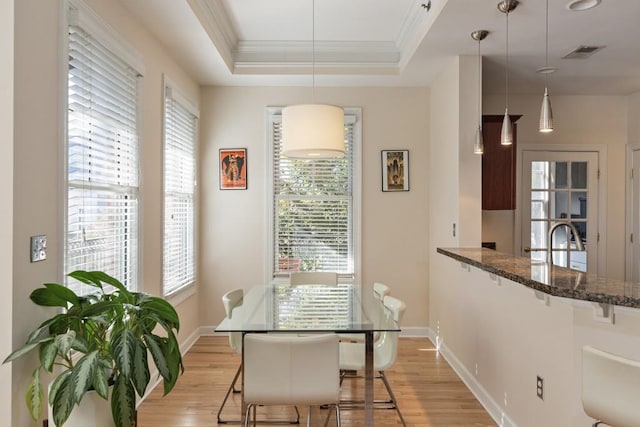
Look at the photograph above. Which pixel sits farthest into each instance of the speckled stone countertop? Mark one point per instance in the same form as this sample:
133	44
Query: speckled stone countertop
557	281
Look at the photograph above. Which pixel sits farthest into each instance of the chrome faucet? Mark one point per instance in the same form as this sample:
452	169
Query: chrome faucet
550	237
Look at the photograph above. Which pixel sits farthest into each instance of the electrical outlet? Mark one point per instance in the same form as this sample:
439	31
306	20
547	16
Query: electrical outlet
38	248
540	387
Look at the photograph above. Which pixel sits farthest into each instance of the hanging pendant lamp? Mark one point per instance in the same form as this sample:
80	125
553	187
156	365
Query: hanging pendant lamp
478	145
313	131
506	135
546	114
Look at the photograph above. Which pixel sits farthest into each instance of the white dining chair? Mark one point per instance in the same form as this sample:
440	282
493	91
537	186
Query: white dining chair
381	290
610	388
385	351
286	369
313	278
230	300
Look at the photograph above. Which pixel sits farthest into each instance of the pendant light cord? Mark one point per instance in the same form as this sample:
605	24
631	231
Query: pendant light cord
479	86
546	49
506	70
313	51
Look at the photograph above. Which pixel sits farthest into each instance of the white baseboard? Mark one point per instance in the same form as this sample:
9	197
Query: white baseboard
493	409
414	332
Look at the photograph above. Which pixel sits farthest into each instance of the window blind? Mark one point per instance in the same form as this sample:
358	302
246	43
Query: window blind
179	189
313	209
102	162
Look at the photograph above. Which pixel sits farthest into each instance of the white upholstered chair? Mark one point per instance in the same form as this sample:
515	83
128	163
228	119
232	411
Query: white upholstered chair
230	300
610	388
285	369
385	351
313	278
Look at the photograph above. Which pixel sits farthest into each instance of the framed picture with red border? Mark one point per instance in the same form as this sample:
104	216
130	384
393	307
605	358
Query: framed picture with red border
233	168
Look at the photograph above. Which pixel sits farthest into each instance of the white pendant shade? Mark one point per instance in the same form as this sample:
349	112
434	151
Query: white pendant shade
478	145
546	114
506	136
313	131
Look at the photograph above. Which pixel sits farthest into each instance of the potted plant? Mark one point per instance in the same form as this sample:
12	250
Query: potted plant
98	341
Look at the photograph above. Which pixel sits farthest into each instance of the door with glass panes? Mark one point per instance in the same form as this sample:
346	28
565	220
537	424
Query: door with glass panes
559	186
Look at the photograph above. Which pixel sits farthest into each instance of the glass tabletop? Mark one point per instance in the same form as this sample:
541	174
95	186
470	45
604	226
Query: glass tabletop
344	308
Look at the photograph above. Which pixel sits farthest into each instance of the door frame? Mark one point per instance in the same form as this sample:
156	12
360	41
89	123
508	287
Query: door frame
628	229
601	150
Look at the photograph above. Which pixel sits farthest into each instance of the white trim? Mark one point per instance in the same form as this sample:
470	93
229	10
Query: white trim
493	409
601	149
629	209
83	16
176	93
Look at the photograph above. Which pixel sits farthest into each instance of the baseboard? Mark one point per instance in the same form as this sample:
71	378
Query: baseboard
493	409
414	332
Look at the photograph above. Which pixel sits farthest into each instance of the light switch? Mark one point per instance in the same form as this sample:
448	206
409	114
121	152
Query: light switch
38	248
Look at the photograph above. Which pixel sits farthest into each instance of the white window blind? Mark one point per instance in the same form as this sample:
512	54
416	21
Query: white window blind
313	209
102	162
179	189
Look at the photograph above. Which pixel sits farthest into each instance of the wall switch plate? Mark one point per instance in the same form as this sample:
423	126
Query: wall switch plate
38	248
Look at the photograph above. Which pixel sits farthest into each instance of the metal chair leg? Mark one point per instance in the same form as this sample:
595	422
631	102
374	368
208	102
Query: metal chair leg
226	396
393	397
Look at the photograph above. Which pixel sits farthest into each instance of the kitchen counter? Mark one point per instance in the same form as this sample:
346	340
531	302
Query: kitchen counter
555	281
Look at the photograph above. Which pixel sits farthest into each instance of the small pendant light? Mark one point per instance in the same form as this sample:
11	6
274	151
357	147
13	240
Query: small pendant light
546	114
478	145
506	136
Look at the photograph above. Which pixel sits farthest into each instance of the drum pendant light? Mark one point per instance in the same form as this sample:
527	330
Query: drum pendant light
478	145
546	114
506	136
313	131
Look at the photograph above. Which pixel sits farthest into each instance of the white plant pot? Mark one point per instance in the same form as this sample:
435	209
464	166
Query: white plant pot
93	411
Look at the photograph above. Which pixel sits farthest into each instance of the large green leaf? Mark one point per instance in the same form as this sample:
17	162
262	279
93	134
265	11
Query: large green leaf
110	280
101	377
157	349
82	376
21	351
63	401
55	385
174	360
140	375
47	298
86	277
123	347
123	403
34	395
65	341
63	292
163	309
48	352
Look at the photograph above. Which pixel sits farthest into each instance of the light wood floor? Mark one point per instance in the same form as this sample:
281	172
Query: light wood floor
429	392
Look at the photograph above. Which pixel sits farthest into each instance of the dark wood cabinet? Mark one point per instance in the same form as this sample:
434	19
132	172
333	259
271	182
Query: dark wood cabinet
498	165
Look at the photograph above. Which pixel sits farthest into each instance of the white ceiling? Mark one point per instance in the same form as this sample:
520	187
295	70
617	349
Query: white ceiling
395	42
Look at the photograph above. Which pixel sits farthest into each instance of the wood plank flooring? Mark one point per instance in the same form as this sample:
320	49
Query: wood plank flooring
428	390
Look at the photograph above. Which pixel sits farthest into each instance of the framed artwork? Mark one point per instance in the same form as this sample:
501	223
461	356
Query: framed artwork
395	170
233	168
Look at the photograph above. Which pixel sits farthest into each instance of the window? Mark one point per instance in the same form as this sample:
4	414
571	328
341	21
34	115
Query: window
316	204
179	189
102	157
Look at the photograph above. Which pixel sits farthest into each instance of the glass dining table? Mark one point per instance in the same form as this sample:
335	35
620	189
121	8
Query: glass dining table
342	309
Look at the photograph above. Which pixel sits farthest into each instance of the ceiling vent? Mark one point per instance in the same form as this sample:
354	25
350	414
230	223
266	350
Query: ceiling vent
582	52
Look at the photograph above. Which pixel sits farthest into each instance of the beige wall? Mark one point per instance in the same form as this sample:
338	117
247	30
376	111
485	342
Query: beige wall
233	223
6	195
38	158
583	120
634	119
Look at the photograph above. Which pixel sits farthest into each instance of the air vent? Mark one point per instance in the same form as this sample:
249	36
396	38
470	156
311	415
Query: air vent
582	52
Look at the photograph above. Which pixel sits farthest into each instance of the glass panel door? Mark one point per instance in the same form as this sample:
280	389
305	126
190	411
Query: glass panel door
559	191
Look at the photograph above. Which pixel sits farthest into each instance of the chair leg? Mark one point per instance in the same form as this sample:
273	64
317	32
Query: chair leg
392	396
226	396
326	420
247	416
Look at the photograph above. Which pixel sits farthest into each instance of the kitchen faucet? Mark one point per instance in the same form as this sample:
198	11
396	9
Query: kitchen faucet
553	228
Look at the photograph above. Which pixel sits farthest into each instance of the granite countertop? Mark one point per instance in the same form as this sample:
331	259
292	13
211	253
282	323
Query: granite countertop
556	281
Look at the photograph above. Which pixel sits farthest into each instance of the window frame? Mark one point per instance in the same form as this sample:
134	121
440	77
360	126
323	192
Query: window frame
78	14
186	103
353	114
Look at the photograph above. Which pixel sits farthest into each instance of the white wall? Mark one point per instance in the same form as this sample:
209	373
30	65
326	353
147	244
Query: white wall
499	337
37	160
582	120
394	225
634	119
6	194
